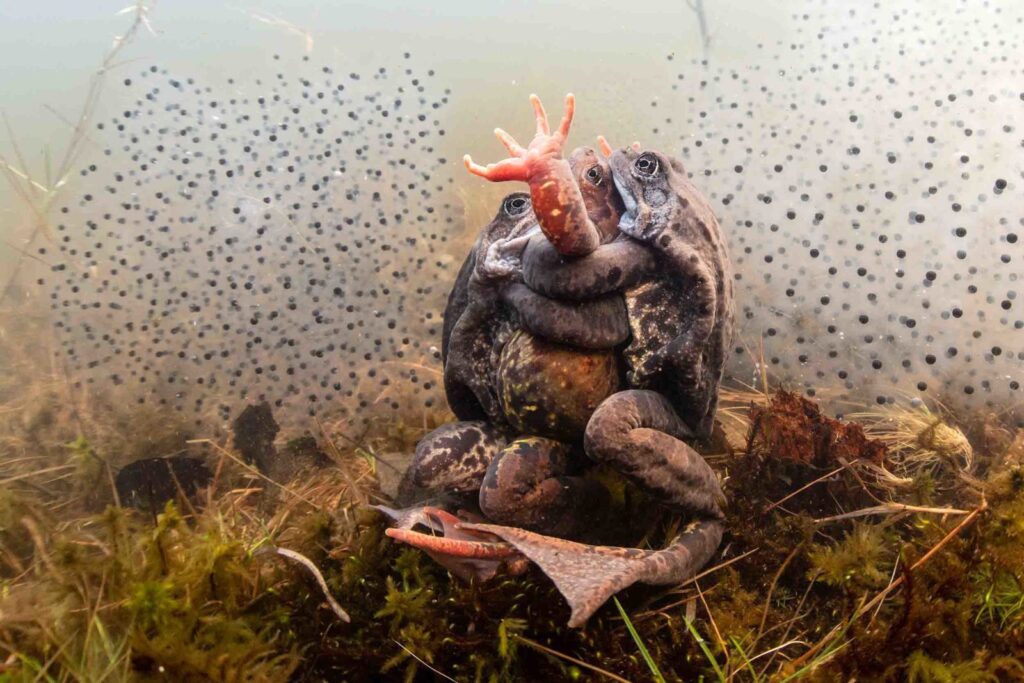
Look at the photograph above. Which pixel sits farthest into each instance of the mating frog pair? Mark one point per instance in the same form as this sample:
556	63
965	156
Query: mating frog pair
587	325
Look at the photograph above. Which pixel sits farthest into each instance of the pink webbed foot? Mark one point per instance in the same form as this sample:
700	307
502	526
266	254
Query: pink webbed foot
465	553
529	161
586	575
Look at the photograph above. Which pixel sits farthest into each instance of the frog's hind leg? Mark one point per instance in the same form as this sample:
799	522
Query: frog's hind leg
531	485
587	575
601	323
453	458
639	434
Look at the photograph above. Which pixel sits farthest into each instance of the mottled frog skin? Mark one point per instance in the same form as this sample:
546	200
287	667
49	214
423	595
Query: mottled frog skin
682	324
547	385
501	341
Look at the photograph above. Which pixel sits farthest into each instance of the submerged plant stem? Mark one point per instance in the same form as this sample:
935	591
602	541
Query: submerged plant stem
315	571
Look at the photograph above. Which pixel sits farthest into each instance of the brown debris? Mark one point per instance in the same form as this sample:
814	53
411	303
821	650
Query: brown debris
793	428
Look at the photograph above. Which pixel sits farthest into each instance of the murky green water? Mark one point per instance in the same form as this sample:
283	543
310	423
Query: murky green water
863	161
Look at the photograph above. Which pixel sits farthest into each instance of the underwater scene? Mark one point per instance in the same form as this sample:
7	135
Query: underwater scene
539	341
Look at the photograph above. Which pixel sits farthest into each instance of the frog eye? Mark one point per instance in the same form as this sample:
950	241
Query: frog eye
516	205
594	175
646	164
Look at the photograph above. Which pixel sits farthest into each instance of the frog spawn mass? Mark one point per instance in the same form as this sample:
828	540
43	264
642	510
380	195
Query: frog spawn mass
865	166
276	242
867	170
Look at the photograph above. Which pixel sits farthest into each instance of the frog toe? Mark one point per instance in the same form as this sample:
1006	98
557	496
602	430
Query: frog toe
453	547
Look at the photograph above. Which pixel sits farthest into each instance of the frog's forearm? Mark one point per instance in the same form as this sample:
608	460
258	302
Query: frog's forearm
558	205
597	324
610	268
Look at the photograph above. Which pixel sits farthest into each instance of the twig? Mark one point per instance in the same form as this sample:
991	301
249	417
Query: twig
413	655
891	509
797	616
25	475
315	571
695	578
359	446
805	487
252	470
771	589
39	198
714	626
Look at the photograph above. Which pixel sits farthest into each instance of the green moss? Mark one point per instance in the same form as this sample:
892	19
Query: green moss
193	594
856	562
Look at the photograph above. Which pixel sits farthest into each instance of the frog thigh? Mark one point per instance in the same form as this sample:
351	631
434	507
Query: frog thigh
454	457
639	434
530	485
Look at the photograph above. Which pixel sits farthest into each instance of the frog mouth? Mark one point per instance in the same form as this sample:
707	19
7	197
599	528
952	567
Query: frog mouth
627	222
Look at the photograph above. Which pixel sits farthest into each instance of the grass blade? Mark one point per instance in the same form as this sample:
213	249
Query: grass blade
651	664
704	647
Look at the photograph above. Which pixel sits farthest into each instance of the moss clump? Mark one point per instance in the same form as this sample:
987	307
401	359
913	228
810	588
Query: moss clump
857	561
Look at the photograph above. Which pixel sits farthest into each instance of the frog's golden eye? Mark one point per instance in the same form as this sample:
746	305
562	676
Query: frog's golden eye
646	164
516	205
594	175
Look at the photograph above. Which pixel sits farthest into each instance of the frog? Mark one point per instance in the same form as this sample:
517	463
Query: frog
526	364
666	258
496	352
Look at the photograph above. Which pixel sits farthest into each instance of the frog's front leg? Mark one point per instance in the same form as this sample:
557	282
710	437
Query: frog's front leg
554	193
452	459
531	485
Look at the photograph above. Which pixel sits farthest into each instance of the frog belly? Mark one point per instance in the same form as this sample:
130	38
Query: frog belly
547	389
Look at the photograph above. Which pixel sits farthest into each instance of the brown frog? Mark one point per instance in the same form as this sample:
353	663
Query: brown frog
519	363
667	262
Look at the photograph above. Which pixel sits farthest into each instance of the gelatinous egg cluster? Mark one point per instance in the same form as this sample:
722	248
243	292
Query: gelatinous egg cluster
269	240
285	239
868	173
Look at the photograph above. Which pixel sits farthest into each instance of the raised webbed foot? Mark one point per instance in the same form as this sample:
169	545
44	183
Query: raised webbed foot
534	159
588	575
554	193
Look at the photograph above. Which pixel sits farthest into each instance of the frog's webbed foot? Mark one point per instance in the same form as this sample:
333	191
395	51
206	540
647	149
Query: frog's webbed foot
587	575
467	553
525	162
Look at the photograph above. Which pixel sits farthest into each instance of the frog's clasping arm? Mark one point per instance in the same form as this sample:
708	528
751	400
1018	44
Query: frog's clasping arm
557	201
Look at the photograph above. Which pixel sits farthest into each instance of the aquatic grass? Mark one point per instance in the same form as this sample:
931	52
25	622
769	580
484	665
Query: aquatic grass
648	660
708	655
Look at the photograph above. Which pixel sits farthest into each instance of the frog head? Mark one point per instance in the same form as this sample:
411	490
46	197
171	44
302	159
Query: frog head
646	182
